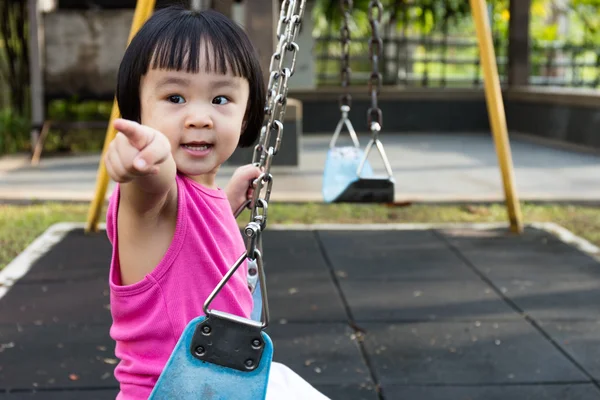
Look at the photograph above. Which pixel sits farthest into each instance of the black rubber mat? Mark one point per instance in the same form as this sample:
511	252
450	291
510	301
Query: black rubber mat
397	300
68	356
477	353
580	340
531	392
85	301
74	258
100	394
320	353
373	315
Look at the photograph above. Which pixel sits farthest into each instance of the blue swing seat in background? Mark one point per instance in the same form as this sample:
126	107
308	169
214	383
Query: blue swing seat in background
340	170
345	182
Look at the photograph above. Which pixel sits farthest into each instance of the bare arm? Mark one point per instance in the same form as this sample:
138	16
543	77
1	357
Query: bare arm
148	197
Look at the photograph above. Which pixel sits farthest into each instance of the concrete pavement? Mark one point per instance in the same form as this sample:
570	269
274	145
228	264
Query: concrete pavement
427	167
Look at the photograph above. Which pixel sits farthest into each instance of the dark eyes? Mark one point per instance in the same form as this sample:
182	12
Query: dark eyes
177	99
220	100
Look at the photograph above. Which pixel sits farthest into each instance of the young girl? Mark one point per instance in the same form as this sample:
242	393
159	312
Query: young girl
190	90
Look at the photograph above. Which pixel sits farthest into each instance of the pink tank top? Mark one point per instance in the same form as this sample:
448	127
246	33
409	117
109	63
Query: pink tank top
149	316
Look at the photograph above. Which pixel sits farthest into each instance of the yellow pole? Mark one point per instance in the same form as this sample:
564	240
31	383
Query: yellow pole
143	10
495	107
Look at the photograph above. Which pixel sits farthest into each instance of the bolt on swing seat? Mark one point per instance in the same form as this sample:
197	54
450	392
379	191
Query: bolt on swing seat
221	356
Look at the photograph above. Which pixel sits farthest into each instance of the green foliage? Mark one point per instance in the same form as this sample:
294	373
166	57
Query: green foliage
424	16
75	110
14	132
14	57
442	29
77	140
587	12
327	18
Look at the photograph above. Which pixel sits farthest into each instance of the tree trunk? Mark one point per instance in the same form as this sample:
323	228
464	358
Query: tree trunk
13	33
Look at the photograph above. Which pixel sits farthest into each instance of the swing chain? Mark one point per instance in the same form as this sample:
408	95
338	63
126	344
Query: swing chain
374	115
288	27
346	98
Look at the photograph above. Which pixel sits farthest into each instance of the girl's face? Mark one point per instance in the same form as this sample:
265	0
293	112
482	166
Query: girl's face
201	114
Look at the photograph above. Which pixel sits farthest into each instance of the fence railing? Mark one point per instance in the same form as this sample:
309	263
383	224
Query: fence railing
409	61
454	62
566	65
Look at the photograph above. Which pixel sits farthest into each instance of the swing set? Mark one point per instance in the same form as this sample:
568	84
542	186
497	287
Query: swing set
348	176
224	356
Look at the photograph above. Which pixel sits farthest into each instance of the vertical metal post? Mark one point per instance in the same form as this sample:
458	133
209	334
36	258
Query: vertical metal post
495	107
35	73
143	10
196	5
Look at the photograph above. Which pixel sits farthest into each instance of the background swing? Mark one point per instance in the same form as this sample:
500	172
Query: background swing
348	176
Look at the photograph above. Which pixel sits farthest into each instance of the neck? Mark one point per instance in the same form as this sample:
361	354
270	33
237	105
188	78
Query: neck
206	180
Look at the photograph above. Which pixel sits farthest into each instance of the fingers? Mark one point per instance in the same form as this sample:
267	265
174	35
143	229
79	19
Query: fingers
248	172
115	168
139	136
124	162
153	154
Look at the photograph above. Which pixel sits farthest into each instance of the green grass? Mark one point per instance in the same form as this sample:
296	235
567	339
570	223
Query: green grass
20	225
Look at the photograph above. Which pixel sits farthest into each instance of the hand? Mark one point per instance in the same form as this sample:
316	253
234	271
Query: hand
240	186
136	150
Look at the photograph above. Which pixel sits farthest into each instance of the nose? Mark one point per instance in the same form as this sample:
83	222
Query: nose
199	117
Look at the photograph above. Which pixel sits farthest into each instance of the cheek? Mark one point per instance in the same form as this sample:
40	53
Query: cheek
147	111
166	126
232	123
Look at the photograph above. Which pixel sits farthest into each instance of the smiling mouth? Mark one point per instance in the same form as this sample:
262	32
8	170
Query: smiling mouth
197	146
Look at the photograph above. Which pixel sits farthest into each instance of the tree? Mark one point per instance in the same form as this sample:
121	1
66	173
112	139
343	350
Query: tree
14	57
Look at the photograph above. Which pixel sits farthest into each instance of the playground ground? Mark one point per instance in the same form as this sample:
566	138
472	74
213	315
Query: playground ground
361	312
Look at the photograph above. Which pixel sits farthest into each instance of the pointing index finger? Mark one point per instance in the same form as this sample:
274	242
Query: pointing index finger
138	135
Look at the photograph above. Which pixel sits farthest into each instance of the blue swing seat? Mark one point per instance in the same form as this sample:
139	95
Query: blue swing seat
222	356
342	183
340	171
186	377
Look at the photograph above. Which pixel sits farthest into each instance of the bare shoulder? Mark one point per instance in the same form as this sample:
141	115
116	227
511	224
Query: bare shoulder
144	236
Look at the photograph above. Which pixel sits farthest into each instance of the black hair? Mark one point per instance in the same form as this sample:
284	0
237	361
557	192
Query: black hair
171	39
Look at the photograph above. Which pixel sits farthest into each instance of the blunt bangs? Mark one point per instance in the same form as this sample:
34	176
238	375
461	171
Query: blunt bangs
181	40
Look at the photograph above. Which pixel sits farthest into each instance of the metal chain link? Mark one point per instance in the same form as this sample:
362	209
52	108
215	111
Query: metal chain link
269	142
346	72
288	27
374	115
